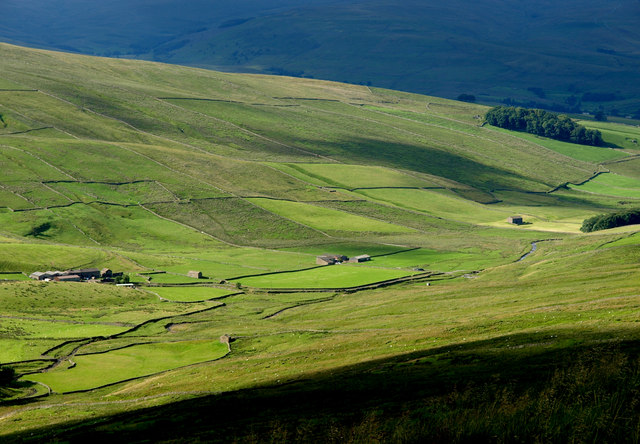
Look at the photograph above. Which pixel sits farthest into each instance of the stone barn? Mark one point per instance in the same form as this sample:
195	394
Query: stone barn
515	220
86	273
195	274
331	259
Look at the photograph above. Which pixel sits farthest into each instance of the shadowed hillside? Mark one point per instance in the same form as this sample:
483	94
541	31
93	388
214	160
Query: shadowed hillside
571	55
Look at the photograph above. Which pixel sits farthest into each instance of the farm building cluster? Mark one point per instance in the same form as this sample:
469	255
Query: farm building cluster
332	259
85	274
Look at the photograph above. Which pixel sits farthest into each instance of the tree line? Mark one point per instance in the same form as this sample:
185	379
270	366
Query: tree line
612	220
542	123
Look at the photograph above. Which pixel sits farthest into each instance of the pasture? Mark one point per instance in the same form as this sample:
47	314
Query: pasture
96	370
612	185
190	294
156	170
333	276
355	176
326	219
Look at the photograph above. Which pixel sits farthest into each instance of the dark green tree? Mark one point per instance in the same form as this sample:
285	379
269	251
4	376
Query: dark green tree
600	116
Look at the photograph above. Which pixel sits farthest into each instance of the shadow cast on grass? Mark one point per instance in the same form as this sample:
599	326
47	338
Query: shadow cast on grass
521	388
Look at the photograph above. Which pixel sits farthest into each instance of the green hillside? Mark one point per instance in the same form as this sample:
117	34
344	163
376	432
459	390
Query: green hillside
157	170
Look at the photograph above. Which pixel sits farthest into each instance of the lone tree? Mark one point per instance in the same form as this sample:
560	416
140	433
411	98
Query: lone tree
600	116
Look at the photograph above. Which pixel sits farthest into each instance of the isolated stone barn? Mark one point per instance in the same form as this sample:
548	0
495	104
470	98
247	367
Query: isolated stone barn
195	274
516	220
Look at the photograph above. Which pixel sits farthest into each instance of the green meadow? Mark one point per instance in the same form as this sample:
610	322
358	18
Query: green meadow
337	276
126	363
190	294
156	170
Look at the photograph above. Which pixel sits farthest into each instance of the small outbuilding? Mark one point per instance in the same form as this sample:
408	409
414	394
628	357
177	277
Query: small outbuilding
195	274
38	276
515	220
106	273
361	258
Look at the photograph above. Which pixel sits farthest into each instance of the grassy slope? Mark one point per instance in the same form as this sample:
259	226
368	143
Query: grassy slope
129	179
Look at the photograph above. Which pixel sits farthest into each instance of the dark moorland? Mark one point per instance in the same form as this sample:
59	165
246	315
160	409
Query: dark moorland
571	55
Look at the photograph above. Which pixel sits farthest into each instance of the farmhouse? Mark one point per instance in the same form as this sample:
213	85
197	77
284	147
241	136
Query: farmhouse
361	258
331	259
106	273
516	220
195	274
86	273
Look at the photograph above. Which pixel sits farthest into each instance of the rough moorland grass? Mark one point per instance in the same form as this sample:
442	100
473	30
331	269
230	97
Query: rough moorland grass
353	176
238	221
170	278
131	362
438	204
190	294
326	219
629	168
84	302
335	276
41	257
26	329
473	259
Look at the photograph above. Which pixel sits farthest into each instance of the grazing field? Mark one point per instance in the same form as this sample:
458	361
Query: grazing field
356	176
156	170
621	136
190	294
97	370
612	185
579	152
335	276
439	204
327	219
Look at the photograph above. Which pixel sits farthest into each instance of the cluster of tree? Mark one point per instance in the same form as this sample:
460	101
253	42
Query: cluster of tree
542	123
124	279
612	220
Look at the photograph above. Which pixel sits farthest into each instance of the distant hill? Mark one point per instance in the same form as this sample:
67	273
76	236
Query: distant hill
572	55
